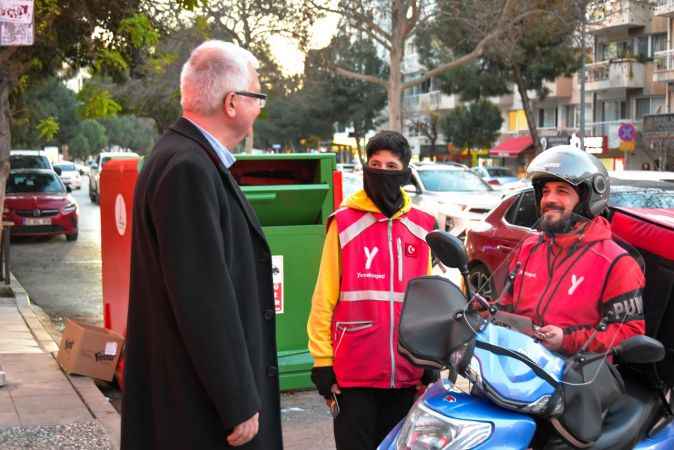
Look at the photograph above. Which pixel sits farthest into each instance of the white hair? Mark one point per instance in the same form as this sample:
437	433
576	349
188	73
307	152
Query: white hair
213	69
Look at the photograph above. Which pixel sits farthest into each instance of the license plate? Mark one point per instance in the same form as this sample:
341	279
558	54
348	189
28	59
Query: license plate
40	221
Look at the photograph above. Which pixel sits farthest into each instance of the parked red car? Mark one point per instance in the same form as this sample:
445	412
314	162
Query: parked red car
489	242
39	205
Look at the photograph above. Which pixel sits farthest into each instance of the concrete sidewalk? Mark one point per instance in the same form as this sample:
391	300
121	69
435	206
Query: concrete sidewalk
40	406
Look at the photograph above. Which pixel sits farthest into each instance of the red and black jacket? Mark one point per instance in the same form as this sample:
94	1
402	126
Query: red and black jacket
574	280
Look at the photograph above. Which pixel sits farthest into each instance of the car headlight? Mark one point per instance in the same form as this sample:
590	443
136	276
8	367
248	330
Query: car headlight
70	207
424	429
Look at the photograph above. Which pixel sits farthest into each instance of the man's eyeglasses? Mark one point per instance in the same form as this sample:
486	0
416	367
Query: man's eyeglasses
261	98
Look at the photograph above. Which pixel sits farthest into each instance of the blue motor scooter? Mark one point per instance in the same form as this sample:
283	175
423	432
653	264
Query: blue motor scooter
517	384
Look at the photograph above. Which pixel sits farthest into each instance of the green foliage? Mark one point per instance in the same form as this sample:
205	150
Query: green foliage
473	126
36	102
79	147
130	132
97	102
539	48
139	30
48	128
95	134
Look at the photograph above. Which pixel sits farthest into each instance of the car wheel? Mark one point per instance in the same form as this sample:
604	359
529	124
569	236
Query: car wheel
72	237
480	281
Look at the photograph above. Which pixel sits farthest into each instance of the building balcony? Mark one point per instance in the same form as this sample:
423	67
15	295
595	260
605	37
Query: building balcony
615	74
664	8
618	15
560	88
664	66
430	101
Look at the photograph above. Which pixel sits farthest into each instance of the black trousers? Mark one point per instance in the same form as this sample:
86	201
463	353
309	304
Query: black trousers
367	415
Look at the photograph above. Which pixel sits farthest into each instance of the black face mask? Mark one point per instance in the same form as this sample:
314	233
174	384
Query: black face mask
383	188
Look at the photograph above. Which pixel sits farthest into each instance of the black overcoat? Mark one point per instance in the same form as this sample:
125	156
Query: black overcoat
201	352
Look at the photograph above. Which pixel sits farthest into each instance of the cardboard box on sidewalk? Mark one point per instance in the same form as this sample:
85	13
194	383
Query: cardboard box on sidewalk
88	350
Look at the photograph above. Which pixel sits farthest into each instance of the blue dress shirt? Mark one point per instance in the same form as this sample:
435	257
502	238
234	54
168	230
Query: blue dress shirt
225	155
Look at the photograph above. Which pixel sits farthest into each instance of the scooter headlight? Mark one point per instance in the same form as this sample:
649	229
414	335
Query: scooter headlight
424	429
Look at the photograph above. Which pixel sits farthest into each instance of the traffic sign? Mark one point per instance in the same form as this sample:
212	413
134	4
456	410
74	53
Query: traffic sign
627	132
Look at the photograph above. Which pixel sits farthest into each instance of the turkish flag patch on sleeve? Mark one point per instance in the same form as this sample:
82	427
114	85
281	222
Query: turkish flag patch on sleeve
410	250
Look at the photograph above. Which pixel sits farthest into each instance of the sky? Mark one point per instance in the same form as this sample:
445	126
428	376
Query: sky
288	54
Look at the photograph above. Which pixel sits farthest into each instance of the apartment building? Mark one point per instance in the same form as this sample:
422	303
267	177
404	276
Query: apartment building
629	75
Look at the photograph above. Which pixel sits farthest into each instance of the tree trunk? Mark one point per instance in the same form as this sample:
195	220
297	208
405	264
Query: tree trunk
5	135
394	89
526	104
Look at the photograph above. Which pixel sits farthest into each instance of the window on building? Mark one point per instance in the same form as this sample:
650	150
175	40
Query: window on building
570	116
643	107
547	117
649	105
642	46
658	43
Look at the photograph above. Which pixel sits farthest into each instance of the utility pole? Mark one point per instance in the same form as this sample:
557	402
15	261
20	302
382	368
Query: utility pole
581	72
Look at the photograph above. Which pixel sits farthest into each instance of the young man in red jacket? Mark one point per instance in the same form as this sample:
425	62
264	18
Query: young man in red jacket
374	246
573	275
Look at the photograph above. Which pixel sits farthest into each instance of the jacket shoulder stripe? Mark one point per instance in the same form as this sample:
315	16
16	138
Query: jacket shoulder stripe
415	229
356	228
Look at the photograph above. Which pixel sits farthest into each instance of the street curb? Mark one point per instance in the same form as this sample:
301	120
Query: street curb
97	404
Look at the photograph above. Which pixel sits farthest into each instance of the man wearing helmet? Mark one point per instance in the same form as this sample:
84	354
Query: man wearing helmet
573	275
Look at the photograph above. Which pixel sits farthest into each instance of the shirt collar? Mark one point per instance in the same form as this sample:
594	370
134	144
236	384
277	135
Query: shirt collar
223	153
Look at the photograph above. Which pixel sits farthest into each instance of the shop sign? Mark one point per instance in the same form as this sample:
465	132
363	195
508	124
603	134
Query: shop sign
553	141
595	144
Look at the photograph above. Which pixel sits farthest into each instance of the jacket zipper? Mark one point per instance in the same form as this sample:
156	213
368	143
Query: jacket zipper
400	260
391	302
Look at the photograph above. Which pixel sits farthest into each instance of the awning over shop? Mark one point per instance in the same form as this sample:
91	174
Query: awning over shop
511	147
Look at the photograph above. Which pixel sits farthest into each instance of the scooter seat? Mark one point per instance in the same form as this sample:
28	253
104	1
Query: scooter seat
629	419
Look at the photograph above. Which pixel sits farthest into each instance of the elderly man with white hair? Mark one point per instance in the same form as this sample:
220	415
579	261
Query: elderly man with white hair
201	367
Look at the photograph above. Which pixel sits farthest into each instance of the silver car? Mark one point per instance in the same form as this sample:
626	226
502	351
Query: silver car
455	195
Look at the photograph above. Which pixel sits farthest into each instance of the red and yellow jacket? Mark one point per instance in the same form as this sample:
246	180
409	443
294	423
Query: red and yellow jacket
366	264
573	280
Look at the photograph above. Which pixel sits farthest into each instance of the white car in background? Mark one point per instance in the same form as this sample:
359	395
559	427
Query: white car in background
69	173
645	175
455	195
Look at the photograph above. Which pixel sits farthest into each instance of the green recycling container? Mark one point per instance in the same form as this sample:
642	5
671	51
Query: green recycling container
292	195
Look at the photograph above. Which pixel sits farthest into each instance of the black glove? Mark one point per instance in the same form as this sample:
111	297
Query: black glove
323	378
430	376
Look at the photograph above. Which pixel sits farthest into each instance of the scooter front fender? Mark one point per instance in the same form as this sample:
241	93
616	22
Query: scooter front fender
510	430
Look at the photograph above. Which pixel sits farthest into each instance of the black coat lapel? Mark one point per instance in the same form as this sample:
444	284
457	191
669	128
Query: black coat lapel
187	129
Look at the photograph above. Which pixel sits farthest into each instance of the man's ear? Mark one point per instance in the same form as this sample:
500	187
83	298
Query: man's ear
229	105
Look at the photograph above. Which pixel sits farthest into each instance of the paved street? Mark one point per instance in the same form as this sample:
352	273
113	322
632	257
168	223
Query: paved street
64	279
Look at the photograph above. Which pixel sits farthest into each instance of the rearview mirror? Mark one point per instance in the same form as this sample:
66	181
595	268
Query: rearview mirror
640	350
68	188
448	249
58	171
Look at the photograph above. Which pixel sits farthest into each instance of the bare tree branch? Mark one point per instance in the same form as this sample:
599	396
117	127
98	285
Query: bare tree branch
359	76
479	48
366	23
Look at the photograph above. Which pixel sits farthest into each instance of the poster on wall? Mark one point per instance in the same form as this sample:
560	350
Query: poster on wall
277	277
